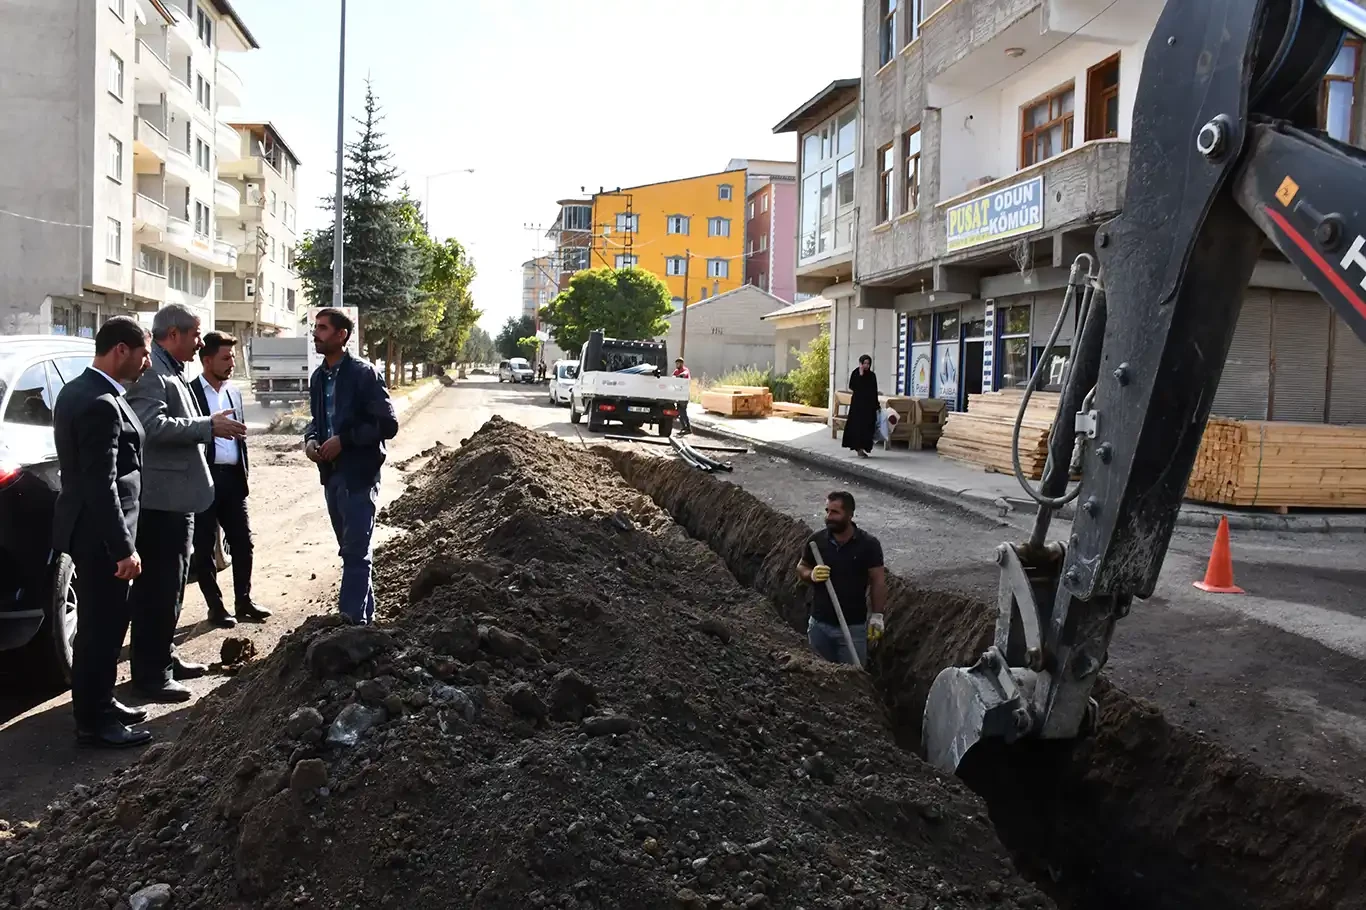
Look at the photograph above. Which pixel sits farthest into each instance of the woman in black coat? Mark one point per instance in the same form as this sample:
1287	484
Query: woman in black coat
861	423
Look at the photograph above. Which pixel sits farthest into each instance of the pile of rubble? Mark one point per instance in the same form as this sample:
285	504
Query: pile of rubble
568	703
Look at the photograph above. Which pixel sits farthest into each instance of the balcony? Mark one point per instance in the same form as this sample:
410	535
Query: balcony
229	84
183	35
227	144
151	73
179	166
181	96
149	215
1082	186
227	201
149	143
224	256
149	286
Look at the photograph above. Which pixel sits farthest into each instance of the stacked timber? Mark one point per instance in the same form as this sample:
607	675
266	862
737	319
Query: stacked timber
800	412
1280	465
738	401
981	435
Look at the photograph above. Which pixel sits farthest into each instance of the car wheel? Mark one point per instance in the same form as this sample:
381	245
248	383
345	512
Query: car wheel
47	657
574	415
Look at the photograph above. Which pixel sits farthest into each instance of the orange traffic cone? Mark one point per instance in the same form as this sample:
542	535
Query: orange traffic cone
1219	573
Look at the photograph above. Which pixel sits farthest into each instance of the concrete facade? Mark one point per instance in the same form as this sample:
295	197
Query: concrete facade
725	332
89	98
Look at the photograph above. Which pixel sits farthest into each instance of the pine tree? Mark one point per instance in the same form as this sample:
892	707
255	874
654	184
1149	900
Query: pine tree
381	268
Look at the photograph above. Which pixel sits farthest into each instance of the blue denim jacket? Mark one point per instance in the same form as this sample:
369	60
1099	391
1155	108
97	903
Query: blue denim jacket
365	419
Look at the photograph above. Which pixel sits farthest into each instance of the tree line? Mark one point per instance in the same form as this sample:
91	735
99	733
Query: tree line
412	290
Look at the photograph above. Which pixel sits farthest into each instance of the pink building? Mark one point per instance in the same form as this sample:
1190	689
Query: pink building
771	237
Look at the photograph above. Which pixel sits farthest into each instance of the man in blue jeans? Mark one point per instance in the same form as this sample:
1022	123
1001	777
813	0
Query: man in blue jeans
853	564
352	418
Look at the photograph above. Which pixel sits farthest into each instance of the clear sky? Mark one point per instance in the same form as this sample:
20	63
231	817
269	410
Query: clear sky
540	97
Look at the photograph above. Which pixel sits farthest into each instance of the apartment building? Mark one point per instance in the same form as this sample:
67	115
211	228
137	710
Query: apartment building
259	217
995	139
571	239
690	232
110	190
538	285
771	237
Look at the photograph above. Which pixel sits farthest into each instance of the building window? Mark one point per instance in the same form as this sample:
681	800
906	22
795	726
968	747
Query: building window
115	159
113	241
678	304
117	7
763	203
274	200
201	92
289	299
887	33
718	268
678	224
886	161
177	274
578	218
915	14
200	281
1337	94
1014	358
718	227
910	144
116	75
626	262
763	281
628	224
1102	100
1046	126
204	26
217	287
152	261
201	219
751	210
724	192
763	242
675	265
202	157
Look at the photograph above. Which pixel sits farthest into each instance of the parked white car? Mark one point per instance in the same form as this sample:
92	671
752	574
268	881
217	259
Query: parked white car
516	370
563	380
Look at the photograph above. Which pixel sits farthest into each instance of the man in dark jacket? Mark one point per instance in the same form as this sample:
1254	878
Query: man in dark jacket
352	417
99	451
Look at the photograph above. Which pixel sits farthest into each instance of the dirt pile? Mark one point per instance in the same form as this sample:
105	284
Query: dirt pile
569	703
1143	815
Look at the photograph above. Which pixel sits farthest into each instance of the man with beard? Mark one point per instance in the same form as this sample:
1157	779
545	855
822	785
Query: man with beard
352	417
853	564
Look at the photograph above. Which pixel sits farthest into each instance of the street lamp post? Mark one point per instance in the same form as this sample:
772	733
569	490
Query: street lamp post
338	226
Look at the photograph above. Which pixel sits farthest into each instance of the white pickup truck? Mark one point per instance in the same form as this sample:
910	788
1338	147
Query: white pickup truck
628	382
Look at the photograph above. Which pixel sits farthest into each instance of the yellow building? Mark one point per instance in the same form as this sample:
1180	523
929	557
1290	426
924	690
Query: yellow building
689	232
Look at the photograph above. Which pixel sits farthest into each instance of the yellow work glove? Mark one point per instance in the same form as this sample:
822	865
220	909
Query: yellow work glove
875	628
820	574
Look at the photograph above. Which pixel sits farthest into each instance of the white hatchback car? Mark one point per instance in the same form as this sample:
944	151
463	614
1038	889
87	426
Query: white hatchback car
562	379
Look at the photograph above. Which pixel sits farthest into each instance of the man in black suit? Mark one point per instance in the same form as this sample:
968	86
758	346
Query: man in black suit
229	467
99	450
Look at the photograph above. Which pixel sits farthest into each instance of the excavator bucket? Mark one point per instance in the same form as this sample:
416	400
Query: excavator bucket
967	704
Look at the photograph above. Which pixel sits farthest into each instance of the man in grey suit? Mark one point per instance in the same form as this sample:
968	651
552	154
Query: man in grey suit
175	485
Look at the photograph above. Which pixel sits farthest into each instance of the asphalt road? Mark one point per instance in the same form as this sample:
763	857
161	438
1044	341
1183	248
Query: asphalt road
1277	674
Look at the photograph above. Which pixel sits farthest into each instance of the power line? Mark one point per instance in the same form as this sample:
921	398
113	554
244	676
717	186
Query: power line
84	227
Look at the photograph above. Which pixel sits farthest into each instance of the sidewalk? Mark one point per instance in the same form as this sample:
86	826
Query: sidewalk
925	476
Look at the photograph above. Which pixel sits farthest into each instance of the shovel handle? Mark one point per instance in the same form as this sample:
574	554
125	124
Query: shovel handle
839	611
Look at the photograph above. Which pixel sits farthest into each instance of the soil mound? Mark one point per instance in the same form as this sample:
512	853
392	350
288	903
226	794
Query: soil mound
569	703
1142	815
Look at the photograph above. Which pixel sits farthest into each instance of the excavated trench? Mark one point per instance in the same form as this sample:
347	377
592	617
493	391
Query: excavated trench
1143	815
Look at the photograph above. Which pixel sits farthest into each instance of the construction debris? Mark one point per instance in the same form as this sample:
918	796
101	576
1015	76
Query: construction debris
569	704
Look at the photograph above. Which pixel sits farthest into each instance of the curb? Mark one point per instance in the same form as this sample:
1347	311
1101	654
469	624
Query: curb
978	504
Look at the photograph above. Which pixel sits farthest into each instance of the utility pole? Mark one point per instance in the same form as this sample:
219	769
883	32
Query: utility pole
338	225
683	329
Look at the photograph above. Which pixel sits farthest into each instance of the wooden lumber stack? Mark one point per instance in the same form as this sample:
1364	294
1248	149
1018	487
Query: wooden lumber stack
800	411
1280	465
738	401
982	434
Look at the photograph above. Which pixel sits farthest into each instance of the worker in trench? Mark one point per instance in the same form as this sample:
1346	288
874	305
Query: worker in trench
853	565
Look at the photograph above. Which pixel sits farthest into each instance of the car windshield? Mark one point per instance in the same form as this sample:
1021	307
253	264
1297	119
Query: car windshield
519	364
568	371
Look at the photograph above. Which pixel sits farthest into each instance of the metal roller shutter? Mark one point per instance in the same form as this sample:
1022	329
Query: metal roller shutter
1347	395
1299	346
1047	306
1246	381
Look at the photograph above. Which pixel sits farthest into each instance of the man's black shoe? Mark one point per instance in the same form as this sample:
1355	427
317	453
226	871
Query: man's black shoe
250	612
112	735
221	617
184	669
126	715
170	691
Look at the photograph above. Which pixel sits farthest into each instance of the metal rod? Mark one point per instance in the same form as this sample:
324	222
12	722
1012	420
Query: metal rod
839	611
1348	14
338	224
652	441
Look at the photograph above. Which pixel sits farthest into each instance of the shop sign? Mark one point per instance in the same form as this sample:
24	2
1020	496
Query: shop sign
920	371
946	373
998	215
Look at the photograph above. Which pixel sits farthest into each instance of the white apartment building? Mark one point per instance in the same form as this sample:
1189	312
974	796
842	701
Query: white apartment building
262	294
112	140
994	140
538	285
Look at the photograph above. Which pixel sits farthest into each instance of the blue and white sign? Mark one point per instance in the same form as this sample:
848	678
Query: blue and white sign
999	215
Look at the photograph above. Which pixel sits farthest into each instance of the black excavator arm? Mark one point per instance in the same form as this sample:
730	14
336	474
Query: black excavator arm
1224	156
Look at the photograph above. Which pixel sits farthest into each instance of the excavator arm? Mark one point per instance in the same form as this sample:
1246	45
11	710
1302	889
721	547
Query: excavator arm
1225	155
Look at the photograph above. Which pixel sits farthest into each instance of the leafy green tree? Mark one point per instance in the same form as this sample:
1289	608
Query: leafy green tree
515	332
624	303
478	347
811	379
382	268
